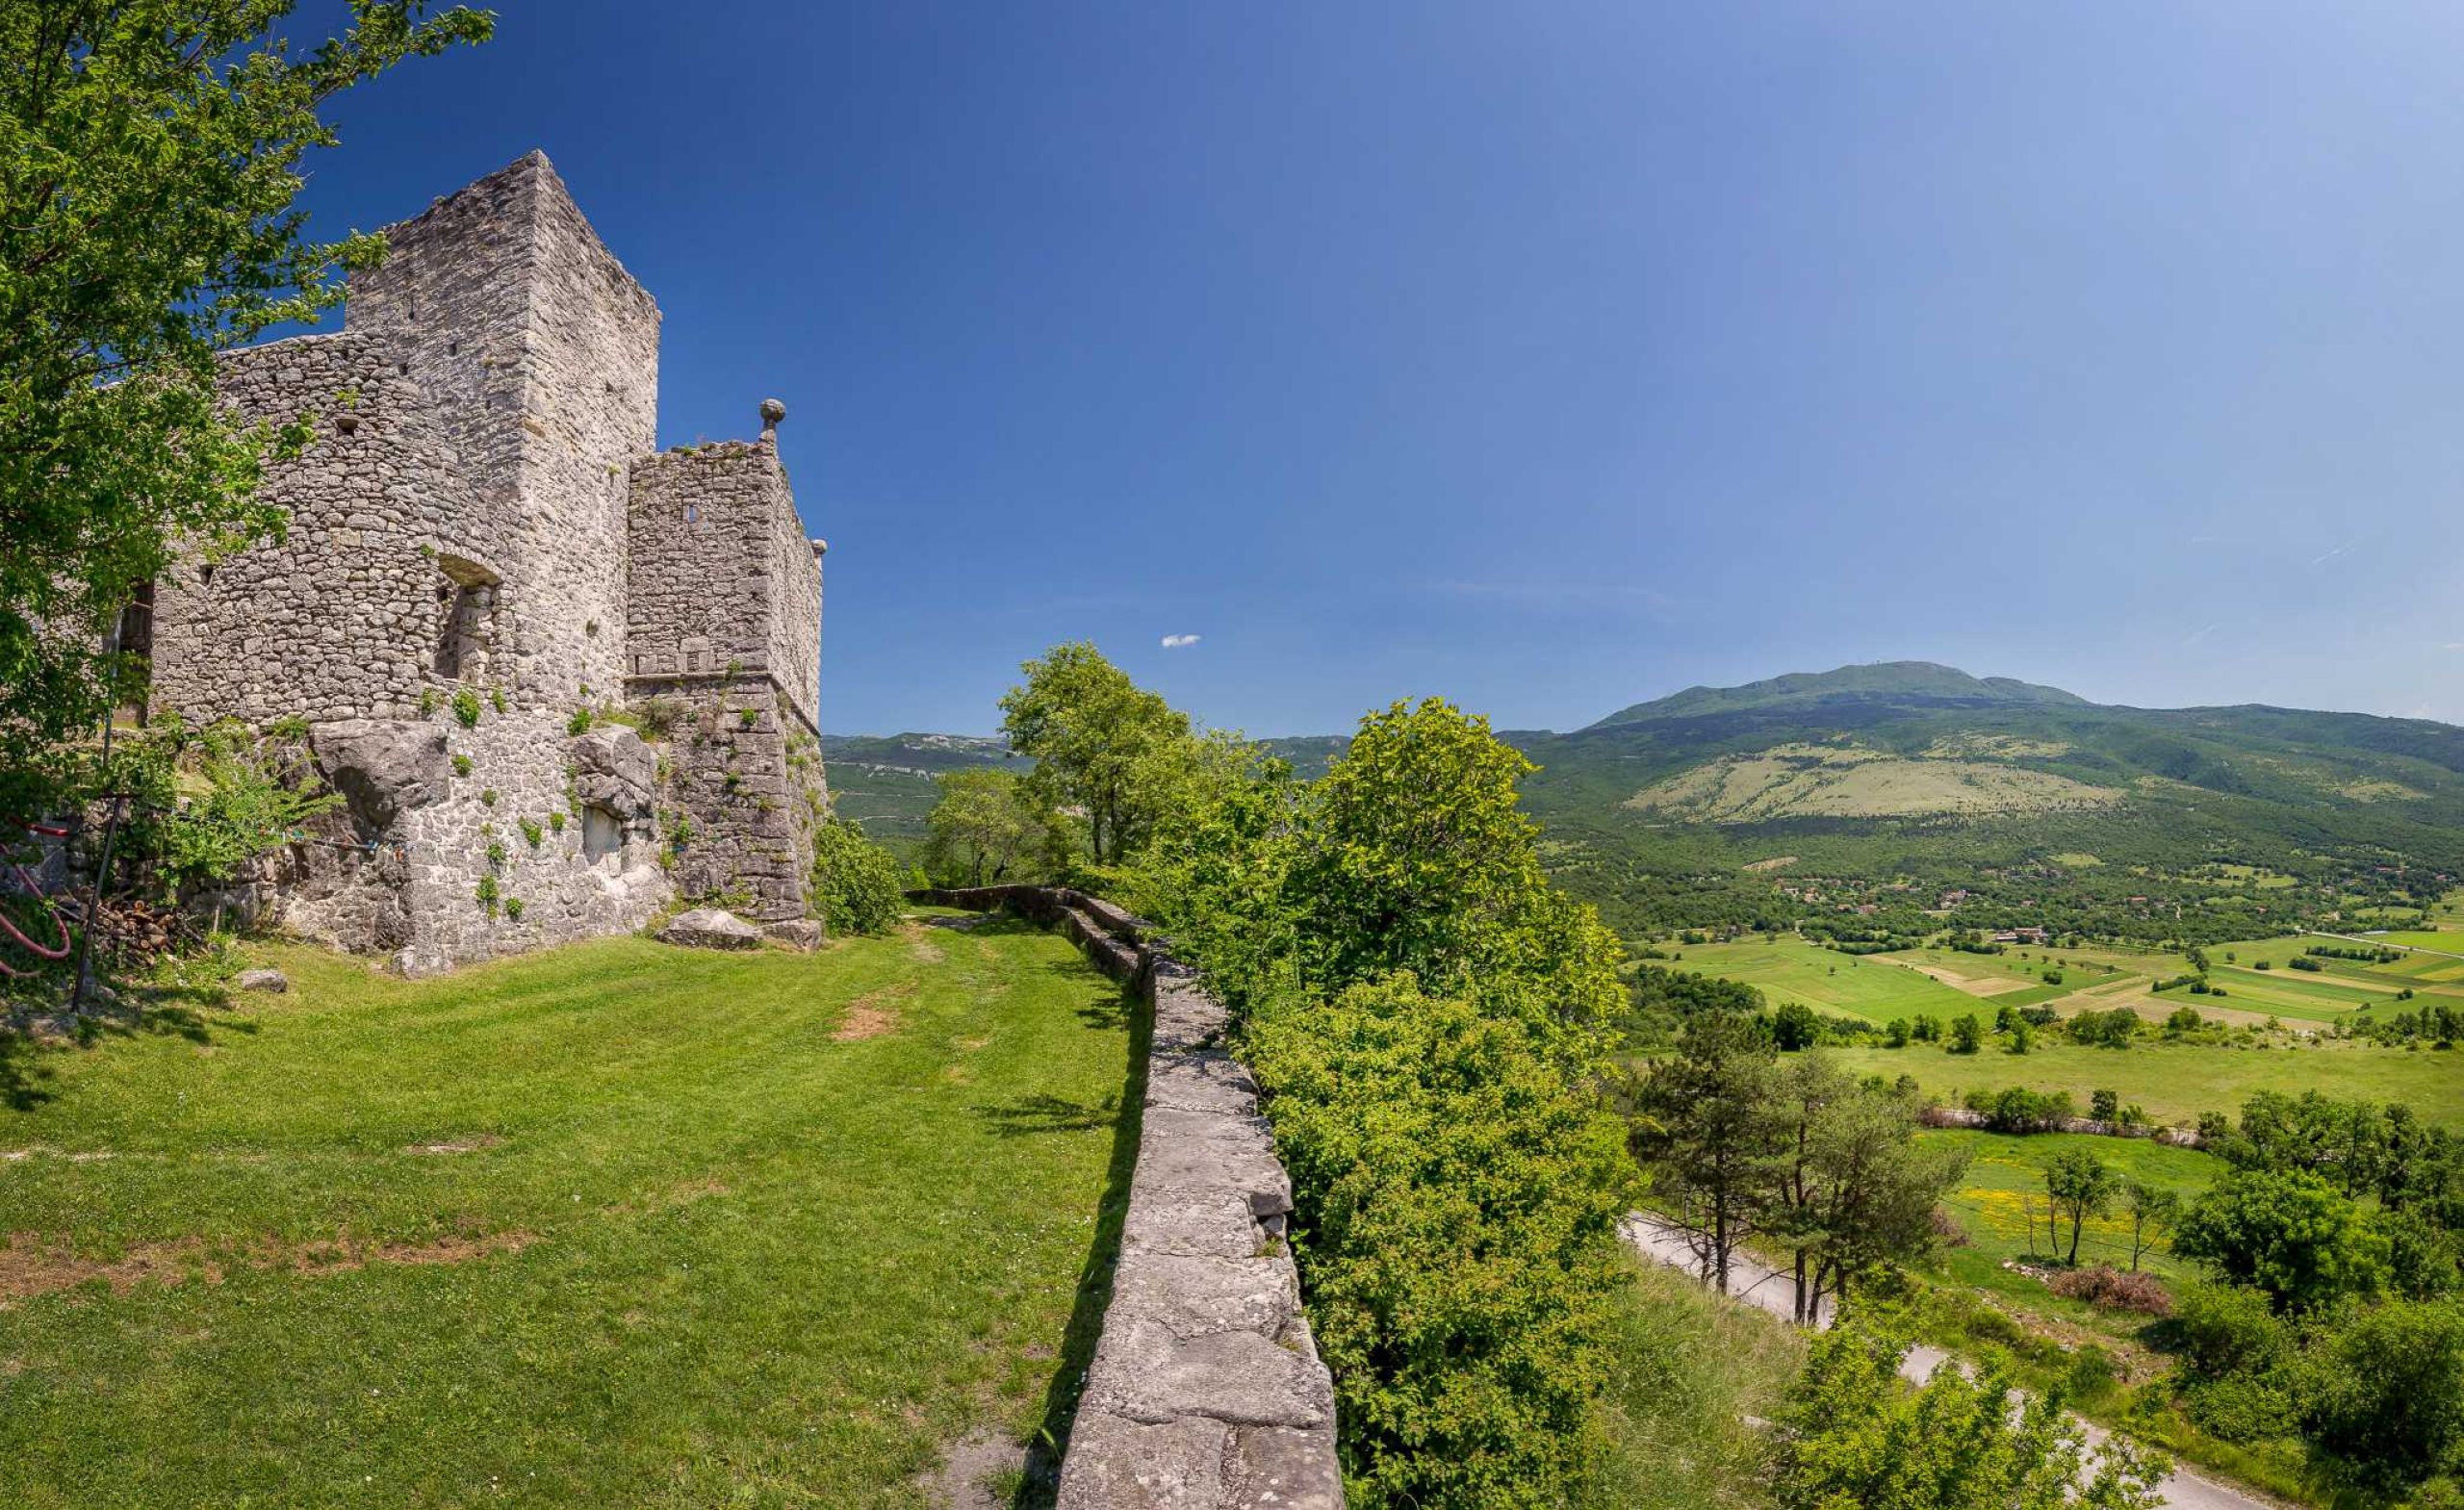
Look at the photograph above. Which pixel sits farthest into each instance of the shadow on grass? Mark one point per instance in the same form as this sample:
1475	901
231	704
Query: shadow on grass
25	1080
1046	1113
1043	1478
33	1035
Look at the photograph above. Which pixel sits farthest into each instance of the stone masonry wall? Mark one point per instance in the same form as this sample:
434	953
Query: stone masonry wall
1206	1391
794	618
723	582
436	811
724	620
337	621
541	355
739	800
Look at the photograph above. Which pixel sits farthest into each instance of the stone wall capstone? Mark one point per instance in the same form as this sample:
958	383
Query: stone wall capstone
1206	1391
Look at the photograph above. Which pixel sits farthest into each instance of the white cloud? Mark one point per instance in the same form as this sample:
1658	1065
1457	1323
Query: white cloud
1173	642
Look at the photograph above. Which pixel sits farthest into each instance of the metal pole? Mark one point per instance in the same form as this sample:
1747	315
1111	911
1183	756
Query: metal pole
111	832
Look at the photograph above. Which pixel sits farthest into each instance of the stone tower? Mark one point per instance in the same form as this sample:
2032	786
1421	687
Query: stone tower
485	561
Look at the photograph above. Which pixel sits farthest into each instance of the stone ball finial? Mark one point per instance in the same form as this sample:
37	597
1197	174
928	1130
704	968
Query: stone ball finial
772	412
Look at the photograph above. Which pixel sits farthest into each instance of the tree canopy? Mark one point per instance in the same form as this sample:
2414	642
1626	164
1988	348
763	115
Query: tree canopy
150	154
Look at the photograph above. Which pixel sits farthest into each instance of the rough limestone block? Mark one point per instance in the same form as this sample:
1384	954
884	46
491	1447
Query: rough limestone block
1145	1374
1203	1151
1197	1223
383	768
263	981
801	934
1116	1464
1202	1081
1192	1295
710	928
1283	1468
615	770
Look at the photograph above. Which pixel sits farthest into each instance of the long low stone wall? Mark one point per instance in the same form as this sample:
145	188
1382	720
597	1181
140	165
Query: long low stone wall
1207	1392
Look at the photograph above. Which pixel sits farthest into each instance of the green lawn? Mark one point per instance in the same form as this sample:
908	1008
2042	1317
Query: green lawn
612	1225
2176	1081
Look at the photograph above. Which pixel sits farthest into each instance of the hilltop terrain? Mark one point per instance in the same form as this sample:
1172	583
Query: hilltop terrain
1886	787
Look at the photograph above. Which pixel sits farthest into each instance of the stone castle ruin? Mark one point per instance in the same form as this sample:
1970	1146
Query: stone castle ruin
487	557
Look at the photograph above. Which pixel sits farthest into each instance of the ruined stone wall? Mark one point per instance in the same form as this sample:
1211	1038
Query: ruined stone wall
336	621
794	610
741	794
461	843
722	581
724	621
1207	1392
541	354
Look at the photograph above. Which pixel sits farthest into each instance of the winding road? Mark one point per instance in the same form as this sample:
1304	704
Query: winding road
1758	1284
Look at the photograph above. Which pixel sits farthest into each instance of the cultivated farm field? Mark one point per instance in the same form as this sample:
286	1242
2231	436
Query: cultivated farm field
2175	1081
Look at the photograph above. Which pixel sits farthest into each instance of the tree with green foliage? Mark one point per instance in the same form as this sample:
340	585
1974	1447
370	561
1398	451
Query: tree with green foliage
1426	1014
1413	853
1456	1201
1856	1437
1710	1130
854	881
1967	1035
988	827
256	793
1855	1189
150	155
2080	1186
2288	1233
1103	745
2153	1212
1794	1027
2386	1391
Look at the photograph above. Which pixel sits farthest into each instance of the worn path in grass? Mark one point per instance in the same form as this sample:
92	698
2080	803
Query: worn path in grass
613	1224
1758	1284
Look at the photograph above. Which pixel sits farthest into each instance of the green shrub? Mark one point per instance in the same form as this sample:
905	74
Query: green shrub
461	765
854	881
465	708
495	699
495	855
488	798
2227	1329
530	831
513	909
2387	1391
579	723
1457	1201
557	821
487	893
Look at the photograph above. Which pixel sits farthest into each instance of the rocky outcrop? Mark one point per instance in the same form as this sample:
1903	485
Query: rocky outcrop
614	768
1206	1391
382	767
710	928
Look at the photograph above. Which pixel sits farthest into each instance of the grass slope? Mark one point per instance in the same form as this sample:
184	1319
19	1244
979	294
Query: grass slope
615	1224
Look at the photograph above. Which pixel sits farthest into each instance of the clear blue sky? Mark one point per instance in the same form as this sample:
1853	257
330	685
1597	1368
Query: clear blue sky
1547	357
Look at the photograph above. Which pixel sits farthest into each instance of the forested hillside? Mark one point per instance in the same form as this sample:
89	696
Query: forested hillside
1871	794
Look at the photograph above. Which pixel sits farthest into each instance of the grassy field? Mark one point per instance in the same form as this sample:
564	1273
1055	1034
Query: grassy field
2174	1083
1687	1369
614	1224
1947	983
2006	1172
1867	985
